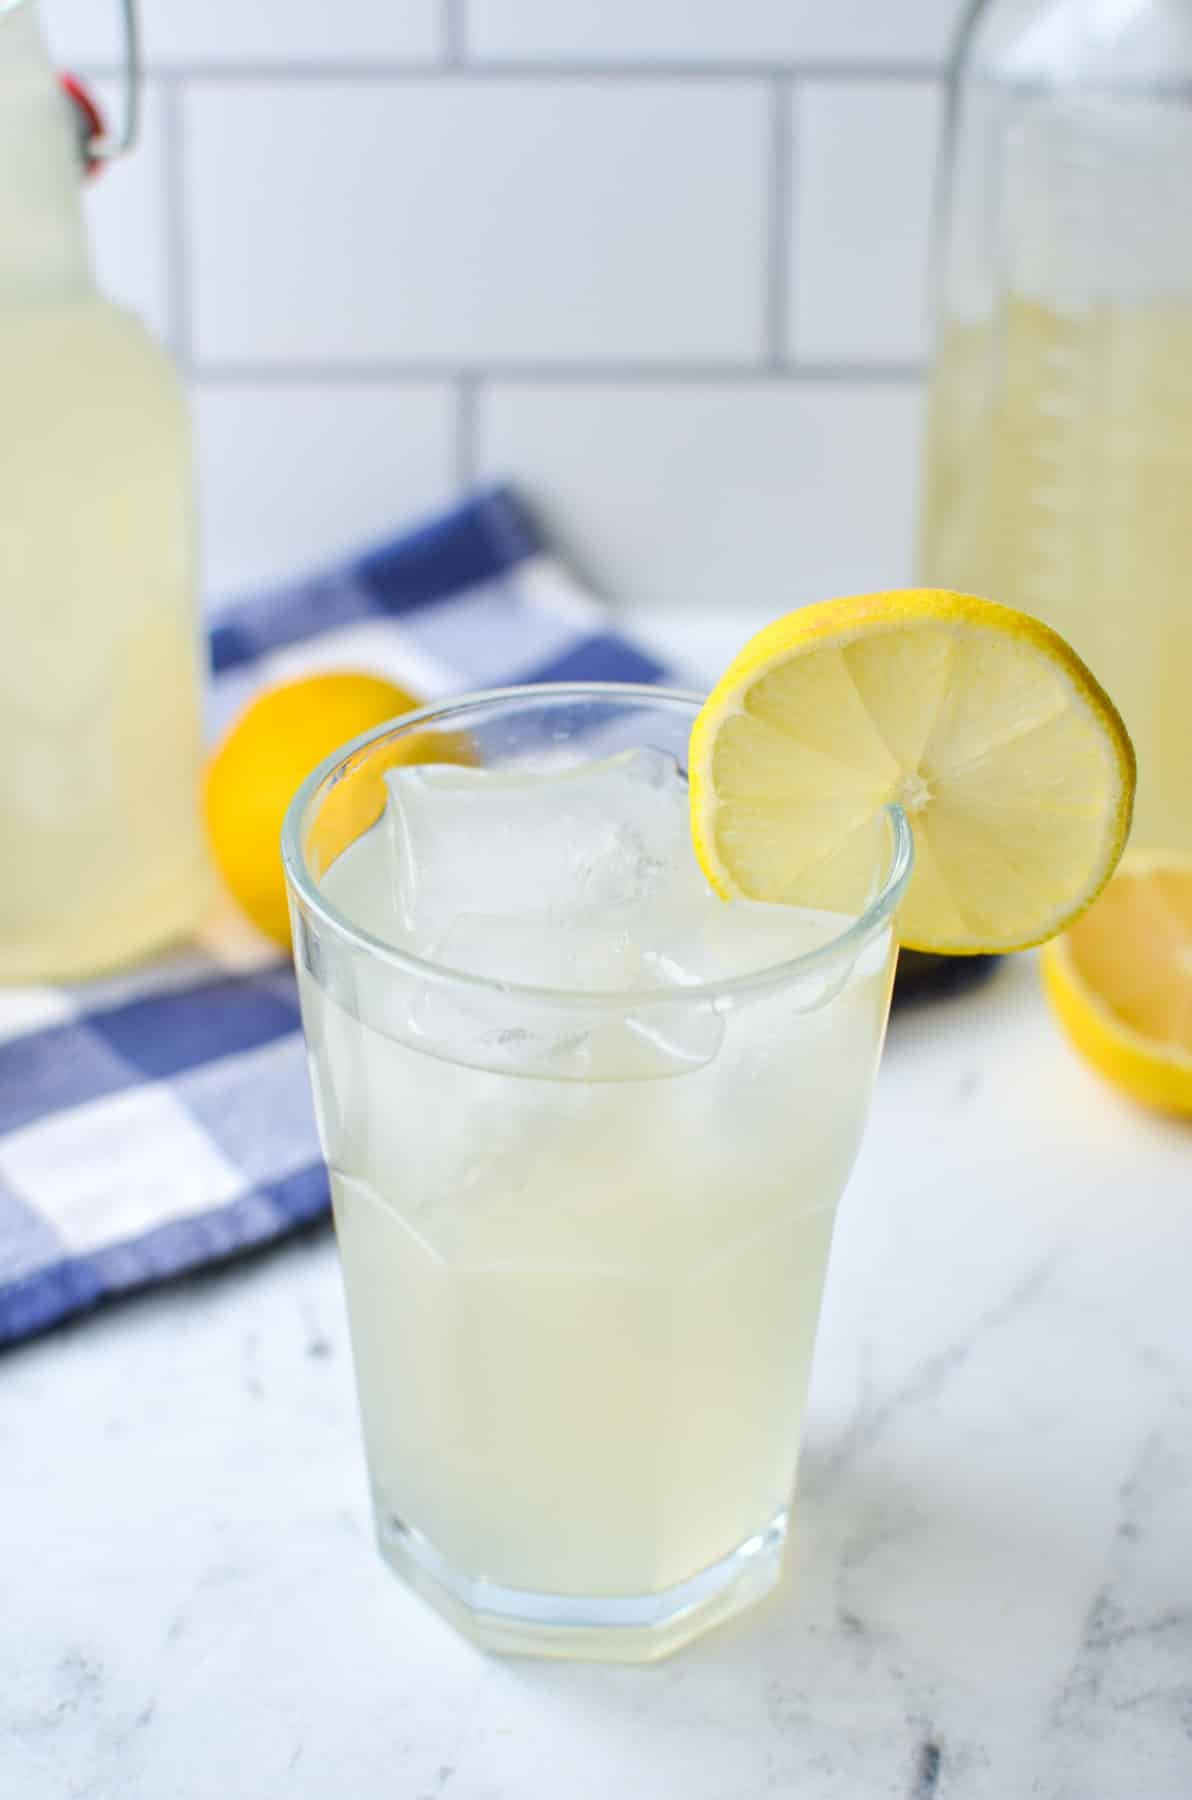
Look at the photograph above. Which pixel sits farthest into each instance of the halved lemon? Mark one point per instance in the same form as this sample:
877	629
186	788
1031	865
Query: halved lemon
1010	760
1120	980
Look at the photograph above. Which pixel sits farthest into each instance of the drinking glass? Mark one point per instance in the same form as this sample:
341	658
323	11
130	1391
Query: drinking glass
584	1235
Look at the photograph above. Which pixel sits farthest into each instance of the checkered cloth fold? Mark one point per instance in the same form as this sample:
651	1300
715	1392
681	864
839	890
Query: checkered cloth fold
161	1120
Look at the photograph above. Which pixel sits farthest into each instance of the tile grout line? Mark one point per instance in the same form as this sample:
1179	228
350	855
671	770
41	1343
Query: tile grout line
466	394
792	372
454	20
476	72
177	248
778	247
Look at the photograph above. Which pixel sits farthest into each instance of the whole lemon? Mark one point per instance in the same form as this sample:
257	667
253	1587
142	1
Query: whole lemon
254	774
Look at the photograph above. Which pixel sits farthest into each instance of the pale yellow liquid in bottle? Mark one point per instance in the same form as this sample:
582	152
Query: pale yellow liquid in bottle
1060	480
99	692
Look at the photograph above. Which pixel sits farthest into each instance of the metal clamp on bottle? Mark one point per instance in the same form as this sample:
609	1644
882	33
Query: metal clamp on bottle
98	145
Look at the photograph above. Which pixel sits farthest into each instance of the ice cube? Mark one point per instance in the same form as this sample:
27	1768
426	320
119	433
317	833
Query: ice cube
698	940
560	1040
512	843
581	953
584	953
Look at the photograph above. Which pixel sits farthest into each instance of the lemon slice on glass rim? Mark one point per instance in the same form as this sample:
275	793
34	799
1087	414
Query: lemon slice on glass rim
1010	760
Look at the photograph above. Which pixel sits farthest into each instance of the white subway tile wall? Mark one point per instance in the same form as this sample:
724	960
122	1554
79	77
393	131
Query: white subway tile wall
755	495
462	223
227	32
697	31
298	471
662	262
863	160
233	31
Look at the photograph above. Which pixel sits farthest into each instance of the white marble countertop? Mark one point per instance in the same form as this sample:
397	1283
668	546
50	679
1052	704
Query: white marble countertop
991	1592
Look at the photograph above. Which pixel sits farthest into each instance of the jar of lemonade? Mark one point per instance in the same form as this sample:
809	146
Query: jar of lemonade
99	661
1059	471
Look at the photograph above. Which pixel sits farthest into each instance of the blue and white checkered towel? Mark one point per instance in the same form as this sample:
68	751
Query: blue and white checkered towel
161	1120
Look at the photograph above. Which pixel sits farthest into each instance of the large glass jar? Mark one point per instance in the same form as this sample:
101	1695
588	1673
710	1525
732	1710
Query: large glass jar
100	742
1060	438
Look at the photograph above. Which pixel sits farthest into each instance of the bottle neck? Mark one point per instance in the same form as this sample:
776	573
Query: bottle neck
43	244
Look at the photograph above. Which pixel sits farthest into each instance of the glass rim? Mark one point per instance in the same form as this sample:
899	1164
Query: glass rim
304	887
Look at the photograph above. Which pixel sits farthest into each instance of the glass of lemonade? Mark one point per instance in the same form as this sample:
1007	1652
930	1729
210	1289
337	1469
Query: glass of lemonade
587	1126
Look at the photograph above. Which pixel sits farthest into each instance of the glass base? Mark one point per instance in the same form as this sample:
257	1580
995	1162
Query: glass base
604	1628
